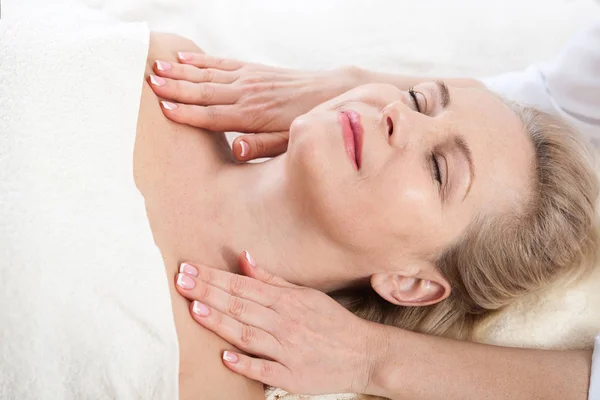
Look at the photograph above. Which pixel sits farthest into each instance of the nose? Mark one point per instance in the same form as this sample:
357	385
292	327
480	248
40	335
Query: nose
403	124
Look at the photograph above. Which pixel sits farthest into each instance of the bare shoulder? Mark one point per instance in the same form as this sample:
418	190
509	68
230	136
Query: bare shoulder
171	165
165	150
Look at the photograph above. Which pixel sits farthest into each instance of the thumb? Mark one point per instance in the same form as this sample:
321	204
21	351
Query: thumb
249	268
250	147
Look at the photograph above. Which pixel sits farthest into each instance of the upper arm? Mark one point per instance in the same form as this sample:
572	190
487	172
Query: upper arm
168	158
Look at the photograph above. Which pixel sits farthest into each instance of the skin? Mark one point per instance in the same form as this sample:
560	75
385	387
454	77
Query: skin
307	343
412	216
164	166
316	355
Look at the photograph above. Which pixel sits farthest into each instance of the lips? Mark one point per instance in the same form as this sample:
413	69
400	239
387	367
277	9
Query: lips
353	136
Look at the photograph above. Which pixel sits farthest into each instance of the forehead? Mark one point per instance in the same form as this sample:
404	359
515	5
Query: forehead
501	149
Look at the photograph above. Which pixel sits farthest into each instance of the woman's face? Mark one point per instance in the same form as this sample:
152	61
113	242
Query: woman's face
391	180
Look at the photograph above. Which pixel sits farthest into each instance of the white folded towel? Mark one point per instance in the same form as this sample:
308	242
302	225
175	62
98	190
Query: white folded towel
85	310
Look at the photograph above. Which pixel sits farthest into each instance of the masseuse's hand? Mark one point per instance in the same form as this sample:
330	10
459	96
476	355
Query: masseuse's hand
229	95
304	342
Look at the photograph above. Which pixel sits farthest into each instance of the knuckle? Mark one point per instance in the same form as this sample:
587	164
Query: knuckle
248	335
209	275
209	75
205	92
236	307
236	285
217	61
204	291
218	320
212	113
259	146
252	86
266	370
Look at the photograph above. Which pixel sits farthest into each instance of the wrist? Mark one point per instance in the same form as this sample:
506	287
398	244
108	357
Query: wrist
377	348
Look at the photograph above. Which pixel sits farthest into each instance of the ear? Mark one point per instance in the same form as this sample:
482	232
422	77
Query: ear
422	286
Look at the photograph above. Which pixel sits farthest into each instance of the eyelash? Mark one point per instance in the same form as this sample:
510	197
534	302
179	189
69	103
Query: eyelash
436	168
436	165
413	95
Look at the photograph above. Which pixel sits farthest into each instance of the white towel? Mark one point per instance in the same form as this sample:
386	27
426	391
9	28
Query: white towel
85	310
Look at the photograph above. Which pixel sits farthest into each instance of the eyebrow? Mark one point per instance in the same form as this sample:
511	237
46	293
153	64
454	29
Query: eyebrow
462	146
444	93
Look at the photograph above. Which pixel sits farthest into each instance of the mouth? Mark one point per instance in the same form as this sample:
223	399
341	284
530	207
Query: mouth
352	132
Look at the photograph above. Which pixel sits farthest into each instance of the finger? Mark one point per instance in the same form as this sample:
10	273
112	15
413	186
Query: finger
214	118
236	285
268	372
194	93
242	310
245	337
193	74
249	268
246	148
206	61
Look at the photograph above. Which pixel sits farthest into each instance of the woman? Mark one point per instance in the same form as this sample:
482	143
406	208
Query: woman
296	360
437	224
437	196
189	182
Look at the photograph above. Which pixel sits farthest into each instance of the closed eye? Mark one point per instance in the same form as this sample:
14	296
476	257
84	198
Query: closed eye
436	169
413	96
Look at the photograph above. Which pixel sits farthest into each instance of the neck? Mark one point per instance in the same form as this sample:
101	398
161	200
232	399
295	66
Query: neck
257	212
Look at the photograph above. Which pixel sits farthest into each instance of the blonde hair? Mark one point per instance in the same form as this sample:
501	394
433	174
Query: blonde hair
502	257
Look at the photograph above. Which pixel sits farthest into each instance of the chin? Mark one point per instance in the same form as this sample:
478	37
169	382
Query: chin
317	175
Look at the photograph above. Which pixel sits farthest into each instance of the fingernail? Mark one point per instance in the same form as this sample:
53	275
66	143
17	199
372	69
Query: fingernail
168	105
163	65
188	269
157	80
185	282
184	56
250	259
230	357
245	148
200	309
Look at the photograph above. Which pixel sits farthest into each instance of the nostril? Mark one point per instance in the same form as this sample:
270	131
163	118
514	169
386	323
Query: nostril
390	125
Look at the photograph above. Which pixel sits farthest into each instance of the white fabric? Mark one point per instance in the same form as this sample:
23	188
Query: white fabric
424	37
568	85
595	379
85	309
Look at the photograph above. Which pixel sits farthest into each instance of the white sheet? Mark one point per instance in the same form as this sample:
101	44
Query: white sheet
84	306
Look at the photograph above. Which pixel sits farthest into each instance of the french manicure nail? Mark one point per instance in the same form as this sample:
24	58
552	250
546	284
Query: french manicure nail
184	56
168	105
230	357
162	65
249	259
200	309
157	80
186	268
244	147
185	282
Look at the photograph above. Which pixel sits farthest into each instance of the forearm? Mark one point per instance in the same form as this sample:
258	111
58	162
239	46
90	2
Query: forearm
404	82
416	366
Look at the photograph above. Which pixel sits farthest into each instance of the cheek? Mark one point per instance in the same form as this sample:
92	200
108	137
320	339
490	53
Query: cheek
406	210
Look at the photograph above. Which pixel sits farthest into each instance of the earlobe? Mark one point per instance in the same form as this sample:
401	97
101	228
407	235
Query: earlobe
411	290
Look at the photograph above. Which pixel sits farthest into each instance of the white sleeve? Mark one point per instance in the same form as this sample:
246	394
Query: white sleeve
568	85
595	380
